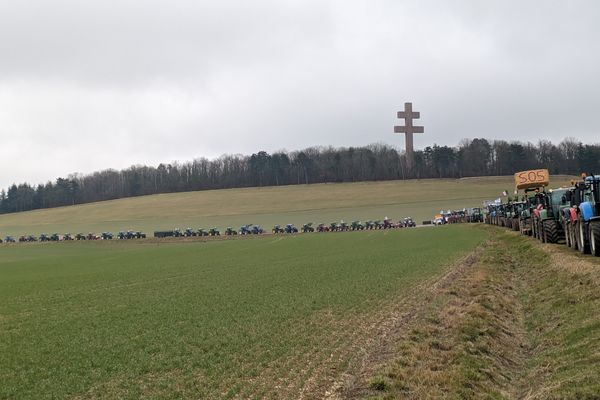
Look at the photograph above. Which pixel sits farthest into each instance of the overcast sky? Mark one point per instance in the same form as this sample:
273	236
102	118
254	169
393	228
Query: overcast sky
89	85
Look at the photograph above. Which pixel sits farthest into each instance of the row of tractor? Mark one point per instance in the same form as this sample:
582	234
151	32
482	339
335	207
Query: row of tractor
57	237
309	227
344	226
466	215
569	215
249	229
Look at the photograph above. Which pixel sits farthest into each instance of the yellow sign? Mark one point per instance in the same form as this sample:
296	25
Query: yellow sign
532	179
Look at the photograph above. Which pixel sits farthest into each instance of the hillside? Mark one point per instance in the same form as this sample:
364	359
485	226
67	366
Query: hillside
265	205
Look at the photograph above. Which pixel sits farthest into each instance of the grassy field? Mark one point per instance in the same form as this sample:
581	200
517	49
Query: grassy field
219	319
267	206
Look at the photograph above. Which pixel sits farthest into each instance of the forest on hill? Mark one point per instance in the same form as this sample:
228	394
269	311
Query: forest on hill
472	157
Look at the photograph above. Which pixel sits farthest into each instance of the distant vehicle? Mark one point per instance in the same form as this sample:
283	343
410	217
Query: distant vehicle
408	222
439	219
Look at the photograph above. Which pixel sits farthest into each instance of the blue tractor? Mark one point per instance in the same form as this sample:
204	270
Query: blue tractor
587	205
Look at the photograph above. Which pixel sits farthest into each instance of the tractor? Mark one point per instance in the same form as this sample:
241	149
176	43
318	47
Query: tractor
585	215
474	215
510	220
230	231
357	226
344	226
176	232
387	224
370	225
80	236
214	232
189	232
68	237
439	219
546	215
290	228
245	229
307	228
408	222
9	239
334	227
322	228
514	216
278	229
107	236
542	214
55	237
201	232
27	238
257	230
44	238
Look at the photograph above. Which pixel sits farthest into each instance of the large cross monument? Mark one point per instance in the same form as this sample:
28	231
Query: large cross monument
408	129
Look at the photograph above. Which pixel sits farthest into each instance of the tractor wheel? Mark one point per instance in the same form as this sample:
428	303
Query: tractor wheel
550	231
582	244
595	238
572	235
574	242
515	225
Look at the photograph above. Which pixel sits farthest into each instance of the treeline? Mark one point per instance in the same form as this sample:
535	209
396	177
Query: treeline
477	157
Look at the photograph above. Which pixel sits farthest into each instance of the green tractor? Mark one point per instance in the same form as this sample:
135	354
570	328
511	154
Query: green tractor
80	236
230	231
546	216
308	228
514	213
214	232
176	233
344	226
278	229
201	232
474	215
357	226
334	227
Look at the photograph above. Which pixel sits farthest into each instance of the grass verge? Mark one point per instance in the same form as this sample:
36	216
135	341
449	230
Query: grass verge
520	322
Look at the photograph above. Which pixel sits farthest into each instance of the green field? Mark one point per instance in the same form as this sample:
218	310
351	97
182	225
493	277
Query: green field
267	206
244	317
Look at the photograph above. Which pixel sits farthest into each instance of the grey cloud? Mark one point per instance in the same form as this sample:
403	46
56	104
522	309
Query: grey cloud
91	85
